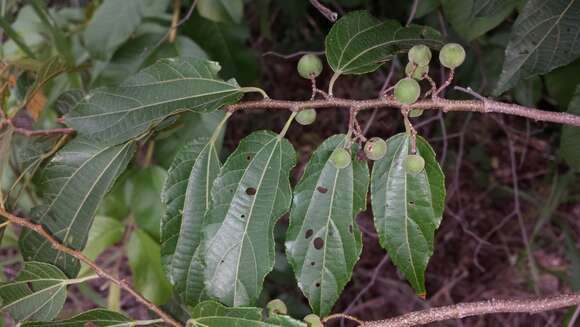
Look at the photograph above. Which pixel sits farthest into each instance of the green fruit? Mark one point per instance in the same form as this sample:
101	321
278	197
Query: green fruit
407	91
375	148
312	320
309	66
415	113
451	55
340	158
306	117
420	55
414	164
277	306
419	72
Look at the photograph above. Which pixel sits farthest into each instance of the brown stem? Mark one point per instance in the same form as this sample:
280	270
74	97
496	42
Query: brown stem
174	20
428	104
329	14
44	132
463	310
57	245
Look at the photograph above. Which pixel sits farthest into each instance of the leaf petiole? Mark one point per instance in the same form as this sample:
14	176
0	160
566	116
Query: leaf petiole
287	125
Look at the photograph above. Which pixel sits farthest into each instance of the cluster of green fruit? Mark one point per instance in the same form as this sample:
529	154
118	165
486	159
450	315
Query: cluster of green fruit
407	90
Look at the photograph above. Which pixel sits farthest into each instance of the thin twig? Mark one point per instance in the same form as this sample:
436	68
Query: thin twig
174	20
428	104
329	14
57	245
462	310
291	55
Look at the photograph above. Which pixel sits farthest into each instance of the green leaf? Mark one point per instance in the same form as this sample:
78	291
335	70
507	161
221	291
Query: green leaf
186	197
359	43
145	263
408	207
73	184
222	11
472	18
561	83
323	241
544	36
38	293
213	314
142	192
226	43
104	233
569	145
116	114
111	25
528	92
250	194
95	317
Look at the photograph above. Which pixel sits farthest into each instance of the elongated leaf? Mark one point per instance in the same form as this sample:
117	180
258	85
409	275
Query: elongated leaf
111	25
213	314
73	184
545	36
473	18
250	194
359	43
115	115
186	197
145	262
408	207
95	317
569	145
323	241
38	293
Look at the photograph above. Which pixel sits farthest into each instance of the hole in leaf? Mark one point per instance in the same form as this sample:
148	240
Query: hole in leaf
222	261
249	157
250	191
243	216
350	229
318	243
309	233
312	263
412	203
317	284
322	189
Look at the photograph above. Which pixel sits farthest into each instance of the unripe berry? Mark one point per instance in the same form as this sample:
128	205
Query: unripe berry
407	91
418	73
420	54
375	148
415	113
309	66
277	306
312	320
414	164
451	55
340	158
306	117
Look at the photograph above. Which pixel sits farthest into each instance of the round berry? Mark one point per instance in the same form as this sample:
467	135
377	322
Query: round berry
414	164
340	158
416	72
452	55
277	306
309	66
306	117
312	320
407	91
415	113
375	148
420	55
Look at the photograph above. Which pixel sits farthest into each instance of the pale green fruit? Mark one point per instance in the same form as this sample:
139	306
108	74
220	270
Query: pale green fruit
414	164
306	117
340	158
312	320
407	90
309	66
375	148
415	113
277	306
452	55
420	54
418	73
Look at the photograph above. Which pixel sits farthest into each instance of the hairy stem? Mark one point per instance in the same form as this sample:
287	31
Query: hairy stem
57	245
463	310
